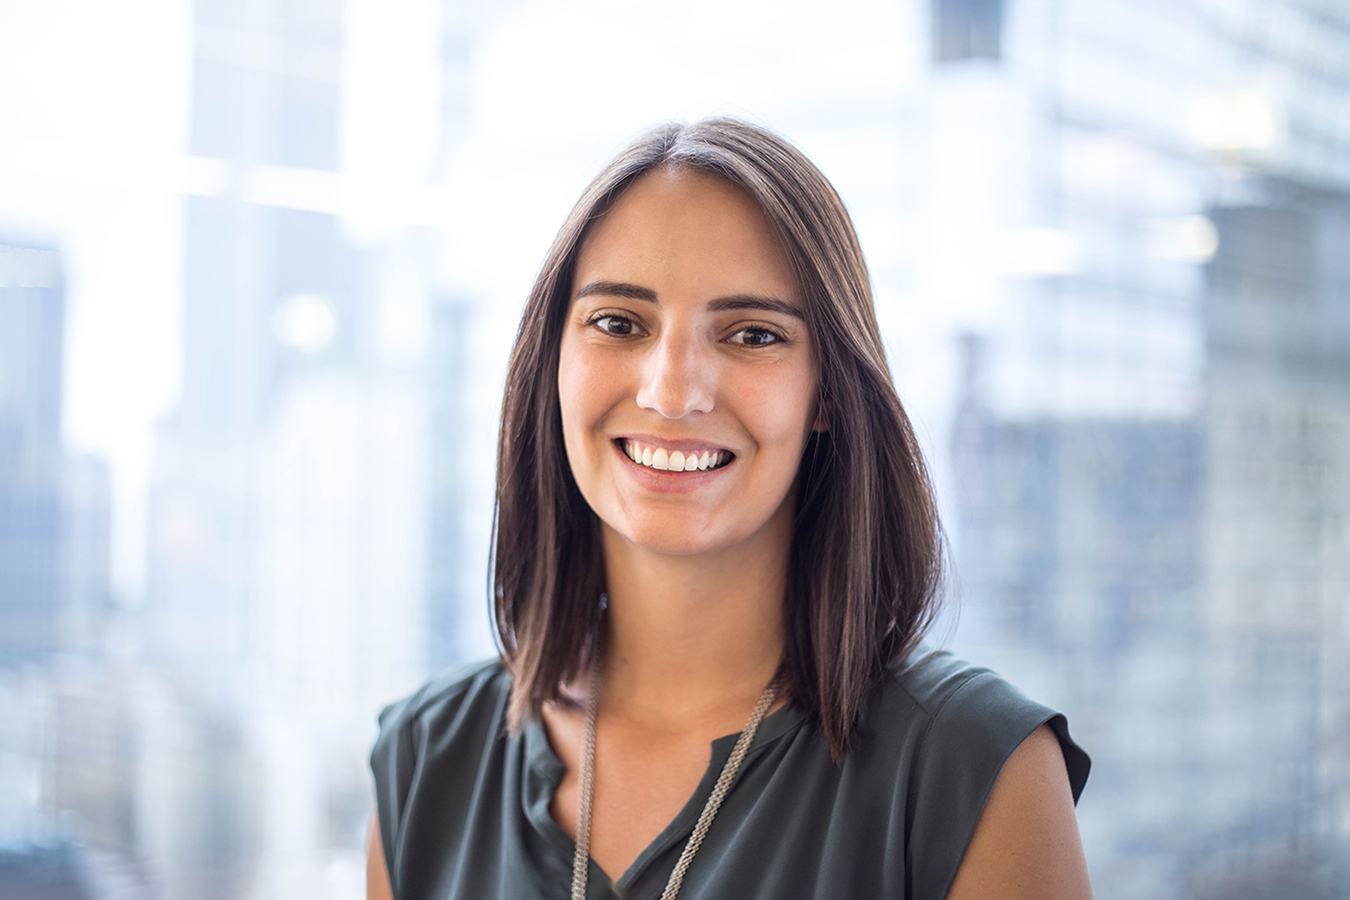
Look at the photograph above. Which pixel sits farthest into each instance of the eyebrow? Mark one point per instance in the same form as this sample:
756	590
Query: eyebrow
618	289
736	301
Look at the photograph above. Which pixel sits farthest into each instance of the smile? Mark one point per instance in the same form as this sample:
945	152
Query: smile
654	457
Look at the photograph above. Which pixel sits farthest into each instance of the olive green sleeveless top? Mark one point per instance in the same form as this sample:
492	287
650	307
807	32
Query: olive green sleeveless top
464	806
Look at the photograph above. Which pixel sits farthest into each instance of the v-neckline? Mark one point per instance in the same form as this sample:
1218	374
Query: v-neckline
537	795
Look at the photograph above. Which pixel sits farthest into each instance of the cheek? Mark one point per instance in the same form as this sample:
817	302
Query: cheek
581	399
571	394
782	408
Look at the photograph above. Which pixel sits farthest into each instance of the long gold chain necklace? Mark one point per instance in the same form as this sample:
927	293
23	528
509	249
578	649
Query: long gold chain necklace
581	861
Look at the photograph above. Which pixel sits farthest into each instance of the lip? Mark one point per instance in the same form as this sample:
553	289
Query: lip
661	481
684	445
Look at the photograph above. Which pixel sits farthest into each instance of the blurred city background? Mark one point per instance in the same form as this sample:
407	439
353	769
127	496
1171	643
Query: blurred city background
261	262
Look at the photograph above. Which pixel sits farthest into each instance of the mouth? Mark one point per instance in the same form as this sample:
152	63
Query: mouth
653	456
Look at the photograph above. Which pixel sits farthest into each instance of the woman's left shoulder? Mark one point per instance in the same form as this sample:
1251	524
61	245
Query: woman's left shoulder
941	729
961	717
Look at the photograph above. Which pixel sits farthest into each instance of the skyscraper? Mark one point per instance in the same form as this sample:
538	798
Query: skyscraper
32	335
1150	447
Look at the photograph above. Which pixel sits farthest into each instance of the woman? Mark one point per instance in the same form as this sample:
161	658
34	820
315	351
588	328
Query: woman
714	528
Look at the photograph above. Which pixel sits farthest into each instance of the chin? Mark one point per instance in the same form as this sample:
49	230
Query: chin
669	539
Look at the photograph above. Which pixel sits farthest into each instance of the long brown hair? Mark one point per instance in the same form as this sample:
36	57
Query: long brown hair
867	560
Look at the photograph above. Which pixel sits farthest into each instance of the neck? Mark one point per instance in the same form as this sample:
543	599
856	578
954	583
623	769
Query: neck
692	636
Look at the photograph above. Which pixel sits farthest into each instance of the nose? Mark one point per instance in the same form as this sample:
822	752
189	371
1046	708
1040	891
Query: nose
677	379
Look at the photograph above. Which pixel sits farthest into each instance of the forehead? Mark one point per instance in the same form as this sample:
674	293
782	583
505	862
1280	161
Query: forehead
686	230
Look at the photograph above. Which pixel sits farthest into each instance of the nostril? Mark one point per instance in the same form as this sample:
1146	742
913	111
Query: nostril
675	398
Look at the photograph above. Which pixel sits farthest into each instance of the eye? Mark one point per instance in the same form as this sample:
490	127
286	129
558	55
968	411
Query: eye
618	326
756	336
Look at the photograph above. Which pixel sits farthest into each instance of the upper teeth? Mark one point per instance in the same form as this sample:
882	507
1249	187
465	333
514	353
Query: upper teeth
673	460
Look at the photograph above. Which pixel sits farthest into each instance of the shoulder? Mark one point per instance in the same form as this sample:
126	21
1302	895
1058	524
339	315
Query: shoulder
963	715
453	715
1026	843
943	687
933	696
955	725
457	697
428	737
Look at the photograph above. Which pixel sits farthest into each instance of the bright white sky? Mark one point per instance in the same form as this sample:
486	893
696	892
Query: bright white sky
93	105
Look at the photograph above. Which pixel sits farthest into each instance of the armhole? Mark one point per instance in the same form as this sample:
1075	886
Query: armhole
1076	760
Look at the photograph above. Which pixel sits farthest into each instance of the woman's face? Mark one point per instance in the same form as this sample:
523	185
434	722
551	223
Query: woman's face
686	375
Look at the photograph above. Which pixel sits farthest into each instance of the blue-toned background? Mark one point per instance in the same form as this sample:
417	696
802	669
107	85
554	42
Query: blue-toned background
261	263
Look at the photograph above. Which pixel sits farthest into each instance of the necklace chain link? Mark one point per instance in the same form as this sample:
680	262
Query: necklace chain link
581	860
